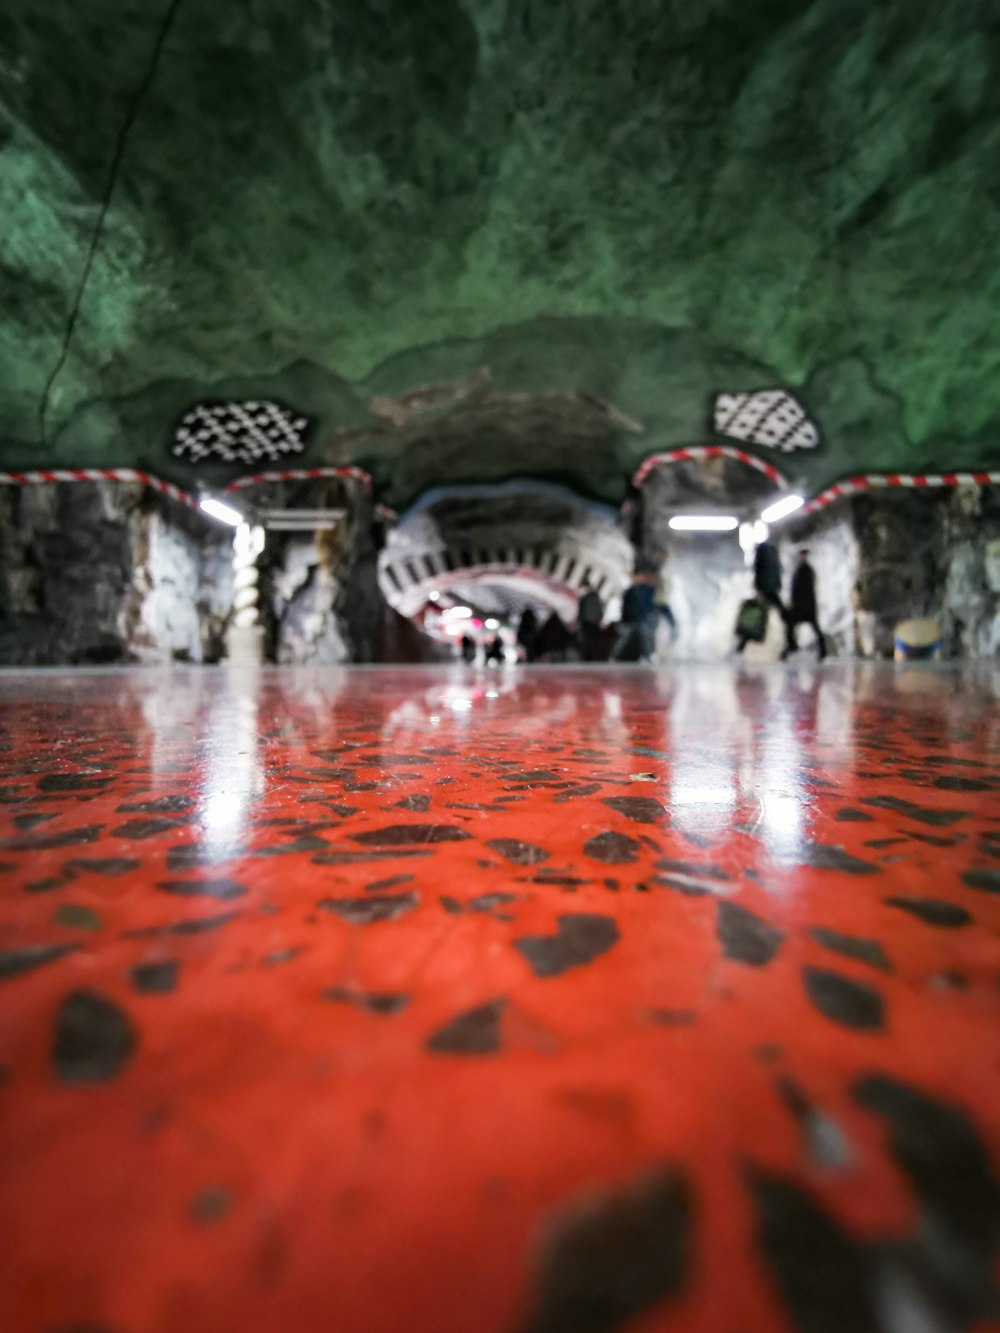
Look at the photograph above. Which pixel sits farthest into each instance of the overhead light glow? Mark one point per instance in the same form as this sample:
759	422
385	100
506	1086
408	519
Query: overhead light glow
492	624
434	596
459	613
224	513
704	523
782	508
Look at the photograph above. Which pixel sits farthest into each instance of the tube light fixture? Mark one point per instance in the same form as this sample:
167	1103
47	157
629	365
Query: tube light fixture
704	523
224	513
782	508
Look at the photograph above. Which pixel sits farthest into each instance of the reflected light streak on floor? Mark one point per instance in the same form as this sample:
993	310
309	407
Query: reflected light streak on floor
552	1002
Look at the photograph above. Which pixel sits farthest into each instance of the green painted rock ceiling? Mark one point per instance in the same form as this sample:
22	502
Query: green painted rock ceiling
478	238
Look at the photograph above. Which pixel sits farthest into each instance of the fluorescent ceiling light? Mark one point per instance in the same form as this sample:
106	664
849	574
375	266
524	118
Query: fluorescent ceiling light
704	523
492	624
459	613
224	513
782	508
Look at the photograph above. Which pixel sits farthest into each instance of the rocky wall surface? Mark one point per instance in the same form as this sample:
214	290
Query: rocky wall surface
321	601
181	589
103	573
645	204
892	555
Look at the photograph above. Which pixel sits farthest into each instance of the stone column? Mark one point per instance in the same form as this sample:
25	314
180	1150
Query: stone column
245	640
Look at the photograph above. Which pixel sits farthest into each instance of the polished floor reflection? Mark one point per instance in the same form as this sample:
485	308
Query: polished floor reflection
557	1001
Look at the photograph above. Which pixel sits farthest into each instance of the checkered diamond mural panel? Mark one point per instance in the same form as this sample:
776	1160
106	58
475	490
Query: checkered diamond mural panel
771	417
247	432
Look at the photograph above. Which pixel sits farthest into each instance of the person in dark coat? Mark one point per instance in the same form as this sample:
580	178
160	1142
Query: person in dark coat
767	585
803	605
590	616
527	634
494	650
554	640
635	637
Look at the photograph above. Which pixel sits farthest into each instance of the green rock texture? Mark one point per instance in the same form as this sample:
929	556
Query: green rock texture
644	201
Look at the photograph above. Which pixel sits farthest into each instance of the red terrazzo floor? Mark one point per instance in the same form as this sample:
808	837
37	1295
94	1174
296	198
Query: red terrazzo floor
557	1001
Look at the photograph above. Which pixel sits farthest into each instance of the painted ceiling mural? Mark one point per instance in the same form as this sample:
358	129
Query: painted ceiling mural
771	417
248	432
513	238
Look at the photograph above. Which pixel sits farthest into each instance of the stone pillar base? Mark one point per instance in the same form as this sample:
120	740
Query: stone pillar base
245	645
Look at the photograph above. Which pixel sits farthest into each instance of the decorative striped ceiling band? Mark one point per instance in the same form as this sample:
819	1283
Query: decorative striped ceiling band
99	474
878	481
345	472
697	451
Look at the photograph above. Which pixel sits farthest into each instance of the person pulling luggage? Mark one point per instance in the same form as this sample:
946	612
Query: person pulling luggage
767	585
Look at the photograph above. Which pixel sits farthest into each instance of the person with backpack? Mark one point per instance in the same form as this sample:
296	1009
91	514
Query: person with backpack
767	586
527	634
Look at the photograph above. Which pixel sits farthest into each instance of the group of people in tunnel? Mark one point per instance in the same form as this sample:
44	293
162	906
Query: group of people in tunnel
646	606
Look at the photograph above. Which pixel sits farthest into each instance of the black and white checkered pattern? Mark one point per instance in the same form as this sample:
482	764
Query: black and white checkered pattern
771	417
239	432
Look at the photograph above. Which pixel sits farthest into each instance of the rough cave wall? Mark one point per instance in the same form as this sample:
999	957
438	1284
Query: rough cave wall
321	602
622	199
887	556
100	573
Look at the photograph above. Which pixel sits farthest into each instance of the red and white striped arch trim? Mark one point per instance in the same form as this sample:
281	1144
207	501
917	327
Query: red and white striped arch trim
872	481
696	451
841	489
50	475
345	471
99	474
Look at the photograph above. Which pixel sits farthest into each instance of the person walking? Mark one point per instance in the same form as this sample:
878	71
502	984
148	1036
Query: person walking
553	640
767	585
802	610
590	616
636	633
527	634
663	590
